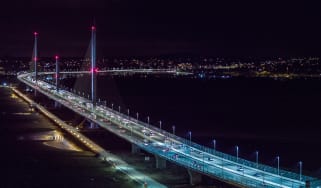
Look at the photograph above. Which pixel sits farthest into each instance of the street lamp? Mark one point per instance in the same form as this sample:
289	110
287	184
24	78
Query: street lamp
131	131
214	145
137	116
190	137
147	119
119	109
112	106
160	125
128	112
173	127
237	153
300	164
257	158
278	161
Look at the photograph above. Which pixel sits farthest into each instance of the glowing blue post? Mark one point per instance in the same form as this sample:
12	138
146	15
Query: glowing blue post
278	160
237	153
257	159
300	164
93	65
214	145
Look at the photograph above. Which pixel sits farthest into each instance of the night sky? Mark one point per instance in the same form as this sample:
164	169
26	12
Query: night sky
162	27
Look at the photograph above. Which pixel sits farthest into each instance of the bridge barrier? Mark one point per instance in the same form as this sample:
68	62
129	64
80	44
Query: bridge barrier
219	173
240	161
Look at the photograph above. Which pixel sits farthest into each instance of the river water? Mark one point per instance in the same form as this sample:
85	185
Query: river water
275	117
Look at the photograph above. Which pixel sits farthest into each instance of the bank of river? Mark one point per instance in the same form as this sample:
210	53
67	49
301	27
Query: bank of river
35	153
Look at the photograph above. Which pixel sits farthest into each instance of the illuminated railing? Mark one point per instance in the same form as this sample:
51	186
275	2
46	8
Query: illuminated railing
241	161
227	157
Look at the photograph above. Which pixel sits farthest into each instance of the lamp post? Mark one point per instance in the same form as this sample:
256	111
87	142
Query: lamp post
112	106
190	137
128	112
119	109
160	125
214	145
300	164
278	161
237	153
173	127
148	120
137	116
131	131
257	158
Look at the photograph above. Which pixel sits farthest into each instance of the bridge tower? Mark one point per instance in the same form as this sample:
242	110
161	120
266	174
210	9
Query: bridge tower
35	55
57	73
93	65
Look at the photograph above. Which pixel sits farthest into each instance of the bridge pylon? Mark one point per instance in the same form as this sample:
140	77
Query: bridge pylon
93	68
57	73
35	55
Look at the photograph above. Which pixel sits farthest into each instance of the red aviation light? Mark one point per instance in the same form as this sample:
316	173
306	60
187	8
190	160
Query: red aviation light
94	70
56	57
35	33
93	28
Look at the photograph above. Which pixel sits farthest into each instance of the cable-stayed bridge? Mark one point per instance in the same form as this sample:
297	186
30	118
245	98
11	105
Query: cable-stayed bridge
167	146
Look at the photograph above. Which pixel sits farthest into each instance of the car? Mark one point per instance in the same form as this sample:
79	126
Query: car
165	149
175	156
257	174
240	168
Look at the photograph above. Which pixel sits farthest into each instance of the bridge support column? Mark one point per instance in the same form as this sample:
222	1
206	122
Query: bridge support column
194	177
57	104
93	125
135	149
160	162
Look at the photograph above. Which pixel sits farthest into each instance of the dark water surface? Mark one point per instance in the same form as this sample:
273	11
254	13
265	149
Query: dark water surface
276	117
